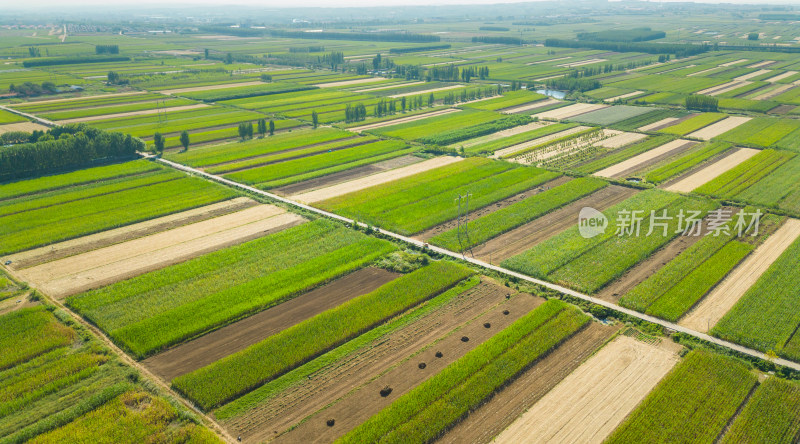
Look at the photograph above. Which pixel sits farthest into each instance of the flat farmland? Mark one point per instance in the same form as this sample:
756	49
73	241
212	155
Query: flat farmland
712	171
738	179
693	124
428	127
610	384
228	277
56	208
649	157
778	189
421	201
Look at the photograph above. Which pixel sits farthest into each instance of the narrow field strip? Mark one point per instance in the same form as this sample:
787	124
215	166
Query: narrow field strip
427	91
716	304
349	82
401	120
711	172
178	91
131	114
569	111
531	106
506	152
624	96
594	399
618	140
634	162
373	180
660	124
718	128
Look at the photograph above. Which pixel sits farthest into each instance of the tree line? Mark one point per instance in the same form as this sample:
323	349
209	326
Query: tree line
679	49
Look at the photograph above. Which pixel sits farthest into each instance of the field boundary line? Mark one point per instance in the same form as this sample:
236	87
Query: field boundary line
507	272
35	119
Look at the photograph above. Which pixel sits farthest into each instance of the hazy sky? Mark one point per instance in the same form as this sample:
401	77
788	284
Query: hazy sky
307	3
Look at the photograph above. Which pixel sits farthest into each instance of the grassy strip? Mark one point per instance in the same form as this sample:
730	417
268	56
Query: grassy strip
771	415
507	100
747	173
30	332
636	122
426	411
680	298
520	213
109	110
34	107
433	125
469	132
684	163
320	161
212	155
80	177
693	403
274	388
186	321
768	314
693	124
618	253
617	156
219	134
245	370
242	92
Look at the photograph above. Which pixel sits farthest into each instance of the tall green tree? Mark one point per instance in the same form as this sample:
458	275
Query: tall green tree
271	127
314	119
262	127
185	140
158	142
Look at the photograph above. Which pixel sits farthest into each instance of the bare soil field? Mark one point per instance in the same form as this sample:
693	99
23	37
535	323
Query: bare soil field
735	62
725	87
131	114
721	127
366	401
230	339
375	179
277	415
570	111
530	106
28	127
449	225
725	295
782	109
760	64
500	134
400	120
524	145
711	172
699	73
749	76
522	238
483	424
594	399
84	244
623	96
774	92
347	175
549	60
427	91
208	87
111	264
581	63
663	123
540	155
643	160
349	82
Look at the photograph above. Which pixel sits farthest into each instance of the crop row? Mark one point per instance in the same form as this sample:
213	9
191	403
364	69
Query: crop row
421	201
248	369
694	157
9	117
778	189
434	125
494	224
241	92
320	161
771	415
507	100
469	132
425	412
229	152
612	114
554	143
491	146
746	174
762	131
116	109
639	121
89	102
693	124
256	286
693	403
67	220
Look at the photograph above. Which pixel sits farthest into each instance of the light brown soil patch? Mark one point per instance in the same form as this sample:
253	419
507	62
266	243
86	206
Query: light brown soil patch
209	87
530	106
477	214
782	109
592	401
15	303
349	82
761	64
361	404
347	175
500	134
427	91
28	127
523	238
725	295
400	120
663	123
538	141
220	343
749	76
624	96
725	87
371	181
711	172
132	113
570	111
735	62
618	140
84	244
645	159
581	63
483	424
721	127
101	267
336	380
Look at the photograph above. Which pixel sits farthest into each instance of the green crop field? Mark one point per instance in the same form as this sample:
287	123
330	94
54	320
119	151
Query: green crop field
237	279
686	161
693	403
421	201
435	405
434	125
779	189
616	156
9	117
245	370
517	214
508	100
771	415
611	115
693	123
490	146
62	207
761	132
766	317
746	174
571	259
